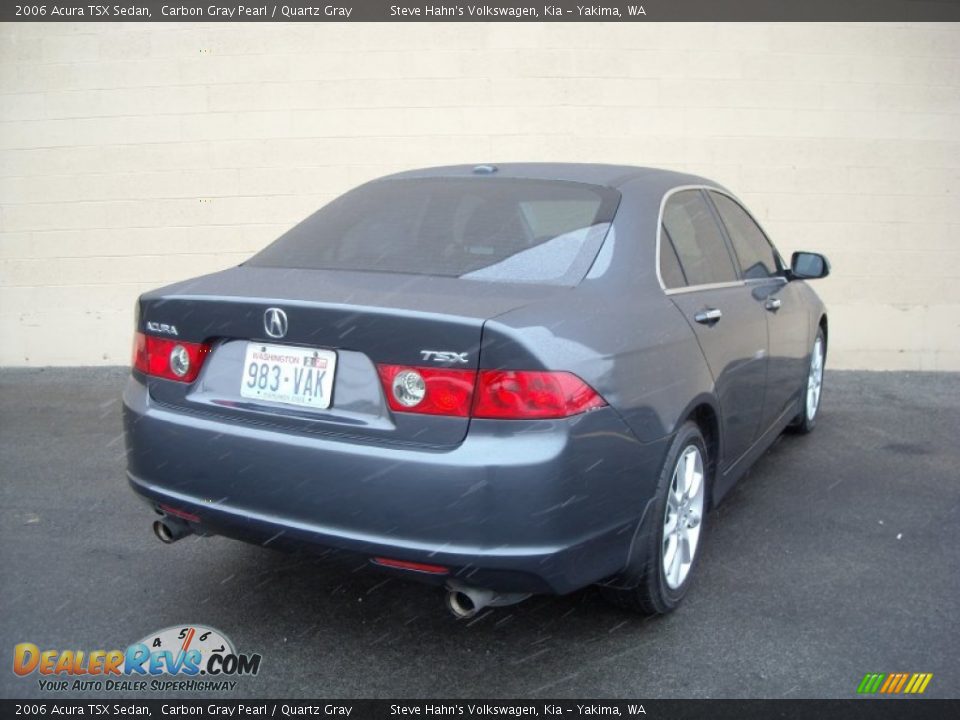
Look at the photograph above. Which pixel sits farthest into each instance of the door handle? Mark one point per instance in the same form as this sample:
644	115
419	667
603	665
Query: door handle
773	304
708	316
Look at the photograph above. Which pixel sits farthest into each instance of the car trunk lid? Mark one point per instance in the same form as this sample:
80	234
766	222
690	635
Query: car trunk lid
357	320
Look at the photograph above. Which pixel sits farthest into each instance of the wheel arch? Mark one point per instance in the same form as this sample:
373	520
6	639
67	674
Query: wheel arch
823	325
704	411
706	416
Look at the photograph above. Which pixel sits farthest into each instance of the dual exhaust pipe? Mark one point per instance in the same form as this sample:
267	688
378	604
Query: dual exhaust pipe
462	600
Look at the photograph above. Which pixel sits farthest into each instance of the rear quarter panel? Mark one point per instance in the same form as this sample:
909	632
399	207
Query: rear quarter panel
617	330
638	352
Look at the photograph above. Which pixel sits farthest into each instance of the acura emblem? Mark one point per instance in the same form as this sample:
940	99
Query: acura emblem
275	322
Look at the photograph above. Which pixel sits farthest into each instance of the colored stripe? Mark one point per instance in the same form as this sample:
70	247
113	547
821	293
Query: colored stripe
189	638
894	681
921	677
903	680
912	683
897	677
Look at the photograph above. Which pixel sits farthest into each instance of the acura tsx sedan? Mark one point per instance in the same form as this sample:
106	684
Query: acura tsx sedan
503	380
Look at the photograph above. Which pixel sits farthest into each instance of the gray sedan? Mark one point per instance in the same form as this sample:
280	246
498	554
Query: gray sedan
502	380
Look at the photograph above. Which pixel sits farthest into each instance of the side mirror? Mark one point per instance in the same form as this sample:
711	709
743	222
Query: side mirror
808	266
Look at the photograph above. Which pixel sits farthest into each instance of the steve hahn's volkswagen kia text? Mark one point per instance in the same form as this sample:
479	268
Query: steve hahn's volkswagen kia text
502	380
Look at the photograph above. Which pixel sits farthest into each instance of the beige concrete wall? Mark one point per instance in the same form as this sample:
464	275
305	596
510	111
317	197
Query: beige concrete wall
134	155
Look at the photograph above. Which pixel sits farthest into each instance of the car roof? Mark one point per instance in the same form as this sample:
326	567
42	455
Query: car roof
613	176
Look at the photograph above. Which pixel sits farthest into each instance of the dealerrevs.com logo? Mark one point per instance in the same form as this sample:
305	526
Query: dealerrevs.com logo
183	657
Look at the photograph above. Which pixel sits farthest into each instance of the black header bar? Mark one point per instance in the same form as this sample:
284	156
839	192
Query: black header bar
488	11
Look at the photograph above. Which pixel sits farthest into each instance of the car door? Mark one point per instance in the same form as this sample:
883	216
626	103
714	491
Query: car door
787	327
700	277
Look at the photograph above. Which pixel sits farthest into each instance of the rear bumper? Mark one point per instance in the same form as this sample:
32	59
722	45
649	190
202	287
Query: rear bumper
545	506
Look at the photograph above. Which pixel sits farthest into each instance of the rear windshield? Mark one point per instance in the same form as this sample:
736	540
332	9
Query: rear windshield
497	229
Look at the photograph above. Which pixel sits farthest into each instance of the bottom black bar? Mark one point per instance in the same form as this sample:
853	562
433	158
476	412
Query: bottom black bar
901	708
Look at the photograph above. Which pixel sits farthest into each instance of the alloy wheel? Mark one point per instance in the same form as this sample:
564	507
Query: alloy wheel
815	379
682	516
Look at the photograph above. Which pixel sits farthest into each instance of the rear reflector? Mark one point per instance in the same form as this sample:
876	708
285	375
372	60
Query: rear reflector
177	512
499	394
168	359
414	566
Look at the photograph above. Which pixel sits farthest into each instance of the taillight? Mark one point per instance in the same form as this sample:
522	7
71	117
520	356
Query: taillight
168	359
139	360
500	394
518	394
431	391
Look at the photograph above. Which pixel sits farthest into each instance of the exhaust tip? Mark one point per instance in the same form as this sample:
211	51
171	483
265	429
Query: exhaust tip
170	529
163	533
461	605
465	601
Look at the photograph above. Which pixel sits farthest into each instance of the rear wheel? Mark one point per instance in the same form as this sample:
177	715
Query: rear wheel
666	554
807	419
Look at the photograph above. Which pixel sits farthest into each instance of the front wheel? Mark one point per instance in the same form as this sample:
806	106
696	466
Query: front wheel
807	419
665	554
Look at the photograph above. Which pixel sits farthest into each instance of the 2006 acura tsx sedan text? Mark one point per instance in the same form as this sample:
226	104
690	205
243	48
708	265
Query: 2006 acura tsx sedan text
503	380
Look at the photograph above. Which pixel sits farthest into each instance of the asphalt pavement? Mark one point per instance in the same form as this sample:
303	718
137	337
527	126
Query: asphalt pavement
838	555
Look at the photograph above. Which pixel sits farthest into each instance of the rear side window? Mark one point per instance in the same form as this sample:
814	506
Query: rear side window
756	255
697	239
495	229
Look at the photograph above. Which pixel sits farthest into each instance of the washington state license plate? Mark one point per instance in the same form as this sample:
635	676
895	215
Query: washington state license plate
292	375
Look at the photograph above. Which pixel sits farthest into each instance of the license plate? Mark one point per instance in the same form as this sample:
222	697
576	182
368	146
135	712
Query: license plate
292	375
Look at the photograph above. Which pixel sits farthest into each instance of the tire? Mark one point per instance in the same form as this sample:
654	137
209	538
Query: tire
655	584
806	421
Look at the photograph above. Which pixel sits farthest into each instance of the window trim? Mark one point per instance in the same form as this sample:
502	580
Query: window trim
733	258
676	255
740	282
778	259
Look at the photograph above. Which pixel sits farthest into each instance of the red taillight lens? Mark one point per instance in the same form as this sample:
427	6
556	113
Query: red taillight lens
518	394
168	359
500	394
444	392
139	360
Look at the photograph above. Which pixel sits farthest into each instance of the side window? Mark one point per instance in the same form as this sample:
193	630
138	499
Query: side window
757	257
670	271
697	240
